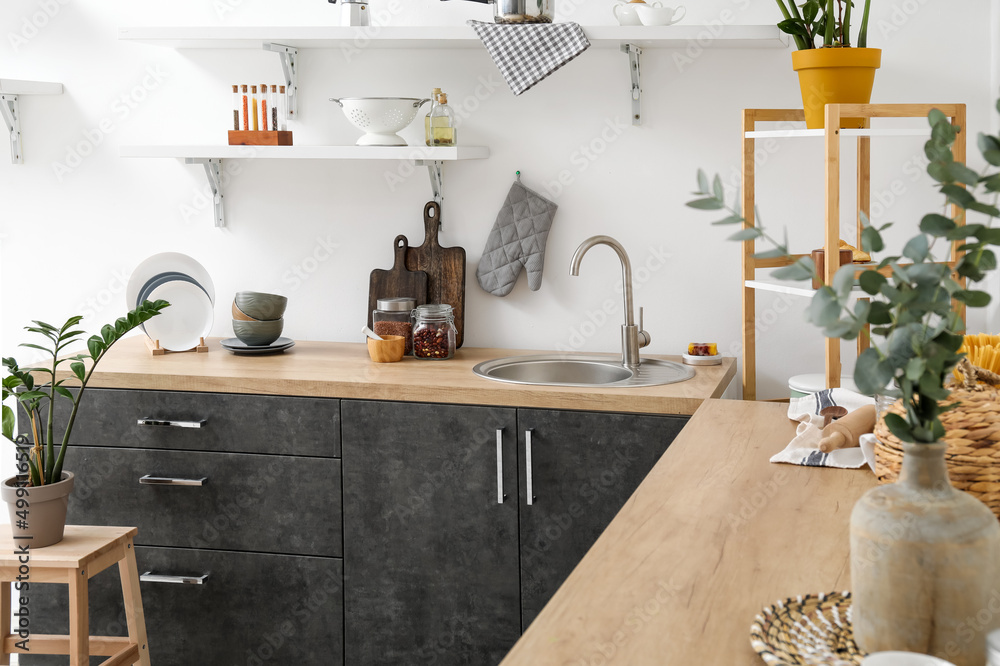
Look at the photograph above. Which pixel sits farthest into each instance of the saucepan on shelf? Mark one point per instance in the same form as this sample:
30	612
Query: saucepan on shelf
521	11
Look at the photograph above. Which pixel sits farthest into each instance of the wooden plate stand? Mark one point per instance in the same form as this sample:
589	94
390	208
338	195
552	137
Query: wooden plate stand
156	350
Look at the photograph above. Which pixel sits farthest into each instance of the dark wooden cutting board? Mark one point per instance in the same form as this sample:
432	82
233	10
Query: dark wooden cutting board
445	268
397	281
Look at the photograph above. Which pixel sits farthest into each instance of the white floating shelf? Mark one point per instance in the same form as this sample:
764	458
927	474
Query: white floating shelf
444	37
16	87
418	153
792	288
796	133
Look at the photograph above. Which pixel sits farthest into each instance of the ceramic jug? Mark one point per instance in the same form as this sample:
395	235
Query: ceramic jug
625	12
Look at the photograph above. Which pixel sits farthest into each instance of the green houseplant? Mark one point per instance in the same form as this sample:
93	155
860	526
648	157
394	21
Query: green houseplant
831	70
38	495
924	557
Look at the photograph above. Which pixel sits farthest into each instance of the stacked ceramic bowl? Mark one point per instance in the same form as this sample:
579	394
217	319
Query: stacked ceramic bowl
258	320
187	286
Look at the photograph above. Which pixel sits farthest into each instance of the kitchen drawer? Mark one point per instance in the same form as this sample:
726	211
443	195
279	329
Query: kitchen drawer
236	423
252	609
273	504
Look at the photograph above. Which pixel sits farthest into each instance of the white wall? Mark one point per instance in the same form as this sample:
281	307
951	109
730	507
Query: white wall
99	220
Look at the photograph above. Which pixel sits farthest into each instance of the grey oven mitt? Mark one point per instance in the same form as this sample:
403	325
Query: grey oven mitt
517	240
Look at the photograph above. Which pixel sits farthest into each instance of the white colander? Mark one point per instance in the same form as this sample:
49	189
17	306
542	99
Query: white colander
380	117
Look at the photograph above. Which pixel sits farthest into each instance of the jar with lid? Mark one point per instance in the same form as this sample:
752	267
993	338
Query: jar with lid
434	332
392	317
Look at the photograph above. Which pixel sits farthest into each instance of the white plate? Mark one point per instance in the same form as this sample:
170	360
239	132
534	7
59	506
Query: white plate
189	317
167	262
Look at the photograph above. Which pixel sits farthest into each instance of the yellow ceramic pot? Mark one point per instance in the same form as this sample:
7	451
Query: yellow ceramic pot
835	76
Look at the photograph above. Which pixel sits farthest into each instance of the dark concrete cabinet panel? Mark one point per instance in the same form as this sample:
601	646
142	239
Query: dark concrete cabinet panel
271	504
252	609
430	556
584	467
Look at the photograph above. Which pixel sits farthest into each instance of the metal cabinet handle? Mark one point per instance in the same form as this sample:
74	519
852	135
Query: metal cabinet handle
150	577
527	464
171	424
150	480
500	494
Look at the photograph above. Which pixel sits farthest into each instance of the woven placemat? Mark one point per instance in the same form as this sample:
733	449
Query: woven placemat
810	630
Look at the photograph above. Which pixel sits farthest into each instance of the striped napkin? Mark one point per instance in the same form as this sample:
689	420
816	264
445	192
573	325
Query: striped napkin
525	54
804	447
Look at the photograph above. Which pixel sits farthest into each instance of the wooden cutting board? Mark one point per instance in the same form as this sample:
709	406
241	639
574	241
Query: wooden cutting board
445	268
397	281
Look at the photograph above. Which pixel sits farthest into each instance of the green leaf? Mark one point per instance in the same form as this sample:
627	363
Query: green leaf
79	369
793	27
992	156
937	117
720	193
95	346
987	143
871	372
871	281
917	248
702	183
958	195
108	334
732	219
964	231
936	225
63	391
871	240
7	428
974	299
880	313
915	368
750	233
771	254
802	269
34	346
985	209
843	282
899	427
962	174
710	203
824	309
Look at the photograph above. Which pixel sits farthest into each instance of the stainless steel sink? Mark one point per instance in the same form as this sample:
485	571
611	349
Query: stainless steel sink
578	370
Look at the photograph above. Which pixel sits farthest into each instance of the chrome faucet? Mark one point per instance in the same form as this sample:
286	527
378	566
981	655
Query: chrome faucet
633	337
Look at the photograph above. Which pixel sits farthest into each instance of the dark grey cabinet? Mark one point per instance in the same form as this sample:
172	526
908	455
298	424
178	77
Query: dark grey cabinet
584	467
245	489
430	543
439	567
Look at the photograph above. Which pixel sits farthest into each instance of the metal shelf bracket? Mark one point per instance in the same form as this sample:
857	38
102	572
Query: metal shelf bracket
213	169
11	112
435	168
634	56
290	70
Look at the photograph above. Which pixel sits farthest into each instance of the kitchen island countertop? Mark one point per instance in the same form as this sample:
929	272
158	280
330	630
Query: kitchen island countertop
343	370
714	533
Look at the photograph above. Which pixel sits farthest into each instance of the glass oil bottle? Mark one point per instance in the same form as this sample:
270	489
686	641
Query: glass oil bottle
443	131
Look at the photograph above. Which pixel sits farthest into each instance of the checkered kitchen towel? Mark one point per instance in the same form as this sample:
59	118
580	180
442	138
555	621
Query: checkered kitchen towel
526	54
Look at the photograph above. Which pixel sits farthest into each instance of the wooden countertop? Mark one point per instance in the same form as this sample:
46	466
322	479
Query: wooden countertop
713	534
343	370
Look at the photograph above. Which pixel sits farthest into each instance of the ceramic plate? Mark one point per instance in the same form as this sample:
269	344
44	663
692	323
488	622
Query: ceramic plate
237	346
167	262
189	317
155	281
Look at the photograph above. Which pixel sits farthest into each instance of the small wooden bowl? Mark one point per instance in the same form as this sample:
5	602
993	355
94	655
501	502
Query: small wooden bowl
239	315
388	350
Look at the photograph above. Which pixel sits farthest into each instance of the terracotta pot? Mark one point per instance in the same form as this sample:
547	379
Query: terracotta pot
925	564
835	76
46	510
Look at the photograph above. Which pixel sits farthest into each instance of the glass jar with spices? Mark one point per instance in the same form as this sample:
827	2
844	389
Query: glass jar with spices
392	317
434	332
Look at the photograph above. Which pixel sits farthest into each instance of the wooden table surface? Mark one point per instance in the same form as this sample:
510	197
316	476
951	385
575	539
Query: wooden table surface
713	534
343	370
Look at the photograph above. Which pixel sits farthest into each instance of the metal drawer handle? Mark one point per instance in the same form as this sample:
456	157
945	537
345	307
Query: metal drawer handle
527	461
171	424
500	494
150	577
150	480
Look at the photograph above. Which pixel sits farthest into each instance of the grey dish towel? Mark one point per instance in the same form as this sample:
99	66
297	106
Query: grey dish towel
516	241
526	54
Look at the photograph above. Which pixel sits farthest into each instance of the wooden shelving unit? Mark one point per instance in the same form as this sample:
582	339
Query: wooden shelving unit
750	283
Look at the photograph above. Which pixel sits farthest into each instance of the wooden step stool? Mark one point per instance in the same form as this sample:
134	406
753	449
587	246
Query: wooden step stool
83	553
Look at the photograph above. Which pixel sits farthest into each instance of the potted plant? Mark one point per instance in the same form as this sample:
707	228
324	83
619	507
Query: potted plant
924	557
38	495
831	70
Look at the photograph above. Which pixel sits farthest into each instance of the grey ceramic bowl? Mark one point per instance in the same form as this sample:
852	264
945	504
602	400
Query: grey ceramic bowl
258	333
265	307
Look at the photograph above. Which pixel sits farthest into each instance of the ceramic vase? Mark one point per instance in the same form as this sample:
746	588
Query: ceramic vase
925	564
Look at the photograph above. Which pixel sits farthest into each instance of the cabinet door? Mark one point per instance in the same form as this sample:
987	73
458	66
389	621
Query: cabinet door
584	466
430	555
252	609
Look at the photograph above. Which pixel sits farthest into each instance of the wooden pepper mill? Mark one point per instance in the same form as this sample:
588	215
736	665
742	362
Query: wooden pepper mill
845	432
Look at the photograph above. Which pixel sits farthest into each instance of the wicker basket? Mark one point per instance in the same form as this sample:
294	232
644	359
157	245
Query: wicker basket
972	432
